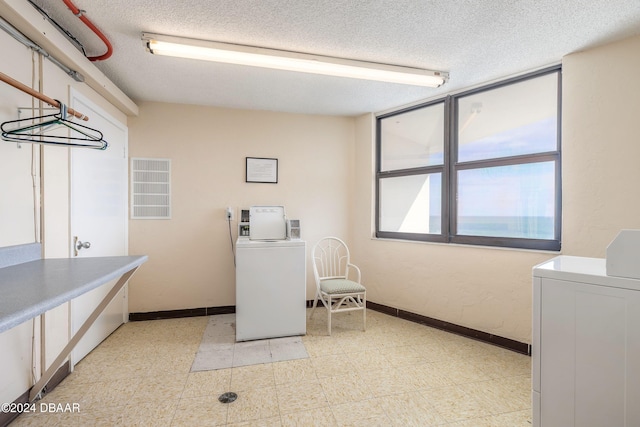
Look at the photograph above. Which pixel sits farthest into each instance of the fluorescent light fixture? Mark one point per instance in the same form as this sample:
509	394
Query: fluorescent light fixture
290	61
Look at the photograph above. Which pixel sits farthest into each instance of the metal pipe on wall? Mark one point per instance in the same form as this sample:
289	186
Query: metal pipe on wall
13	32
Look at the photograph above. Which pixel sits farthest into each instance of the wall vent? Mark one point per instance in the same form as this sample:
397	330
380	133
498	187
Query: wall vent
150	188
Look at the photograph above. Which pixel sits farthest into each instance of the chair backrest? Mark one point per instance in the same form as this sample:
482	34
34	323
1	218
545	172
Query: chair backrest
330	259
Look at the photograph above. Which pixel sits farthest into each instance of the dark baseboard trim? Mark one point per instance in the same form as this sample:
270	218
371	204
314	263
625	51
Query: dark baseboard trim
507	343
7	417
188	312
57	378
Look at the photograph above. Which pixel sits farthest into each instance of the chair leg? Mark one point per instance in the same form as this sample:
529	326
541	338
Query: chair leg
329	318
364	314
313	307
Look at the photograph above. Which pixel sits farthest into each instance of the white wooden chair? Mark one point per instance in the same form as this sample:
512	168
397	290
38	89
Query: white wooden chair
332	270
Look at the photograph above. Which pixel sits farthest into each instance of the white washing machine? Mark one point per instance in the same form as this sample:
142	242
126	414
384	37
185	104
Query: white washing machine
270	288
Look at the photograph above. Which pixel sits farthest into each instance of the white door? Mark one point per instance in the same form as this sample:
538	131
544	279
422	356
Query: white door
98	217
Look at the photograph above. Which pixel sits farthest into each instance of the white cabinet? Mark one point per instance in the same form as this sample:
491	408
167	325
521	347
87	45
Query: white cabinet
586	345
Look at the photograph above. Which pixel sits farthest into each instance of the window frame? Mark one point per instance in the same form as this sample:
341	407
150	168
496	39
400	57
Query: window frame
451	167
423	170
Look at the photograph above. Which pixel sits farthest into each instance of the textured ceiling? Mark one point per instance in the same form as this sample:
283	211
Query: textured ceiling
475	41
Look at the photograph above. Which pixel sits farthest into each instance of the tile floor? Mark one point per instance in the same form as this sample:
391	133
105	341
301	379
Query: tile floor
397	373
219	349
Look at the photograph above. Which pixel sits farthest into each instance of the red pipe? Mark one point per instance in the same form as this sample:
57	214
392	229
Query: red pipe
88	23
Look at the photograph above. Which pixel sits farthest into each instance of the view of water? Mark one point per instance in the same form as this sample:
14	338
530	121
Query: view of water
533	227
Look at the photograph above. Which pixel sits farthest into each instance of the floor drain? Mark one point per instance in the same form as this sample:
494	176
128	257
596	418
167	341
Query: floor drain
227	397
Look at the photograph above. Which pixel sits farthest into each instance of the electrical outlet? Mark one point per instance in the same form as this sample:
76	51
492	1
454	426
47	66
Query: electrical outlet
229	214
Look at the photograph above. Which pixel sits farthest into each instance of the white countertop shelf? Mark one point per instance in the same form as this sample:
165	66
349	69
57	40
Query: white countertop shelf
32	288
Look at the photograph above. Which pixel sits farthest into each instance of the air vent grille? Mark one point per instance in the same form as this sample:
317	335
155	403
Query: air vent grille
150	188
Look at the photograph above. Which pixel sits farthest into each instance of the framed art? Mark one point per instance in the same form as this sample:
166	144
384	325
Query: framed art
261	169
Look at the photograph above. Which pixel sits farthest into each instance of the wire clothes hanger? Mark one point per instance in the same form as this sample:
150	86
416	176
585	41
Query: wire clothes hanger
37	130
27	130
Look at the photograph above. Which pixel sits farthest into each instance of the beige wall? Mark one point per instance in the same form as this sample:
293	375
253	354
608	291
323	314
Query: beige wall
17	221
19	170
490	289
190	258
601	146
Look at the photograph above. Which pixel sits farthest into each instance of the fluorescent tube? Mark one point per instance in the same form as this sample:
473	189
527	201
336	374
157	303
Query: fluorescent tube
290	61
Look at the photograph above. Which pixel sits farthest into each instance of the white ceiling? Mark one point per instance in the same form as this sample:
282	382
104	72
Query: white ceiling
475	41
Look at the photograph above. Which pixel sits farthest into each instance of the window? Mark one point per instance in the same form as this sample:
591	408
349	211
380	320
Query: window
480	167
412	165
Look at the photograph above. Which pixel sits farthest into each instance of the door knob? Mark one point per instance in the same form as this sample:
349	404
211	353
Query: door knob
78	245
83	245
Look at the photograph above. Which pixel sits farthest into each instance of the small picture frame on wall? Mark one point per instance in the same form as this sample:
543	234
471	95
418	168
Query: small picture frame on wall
261	169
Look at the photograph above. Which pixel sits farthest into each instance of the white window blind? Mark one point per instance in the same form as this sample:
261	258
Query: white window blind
150	188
